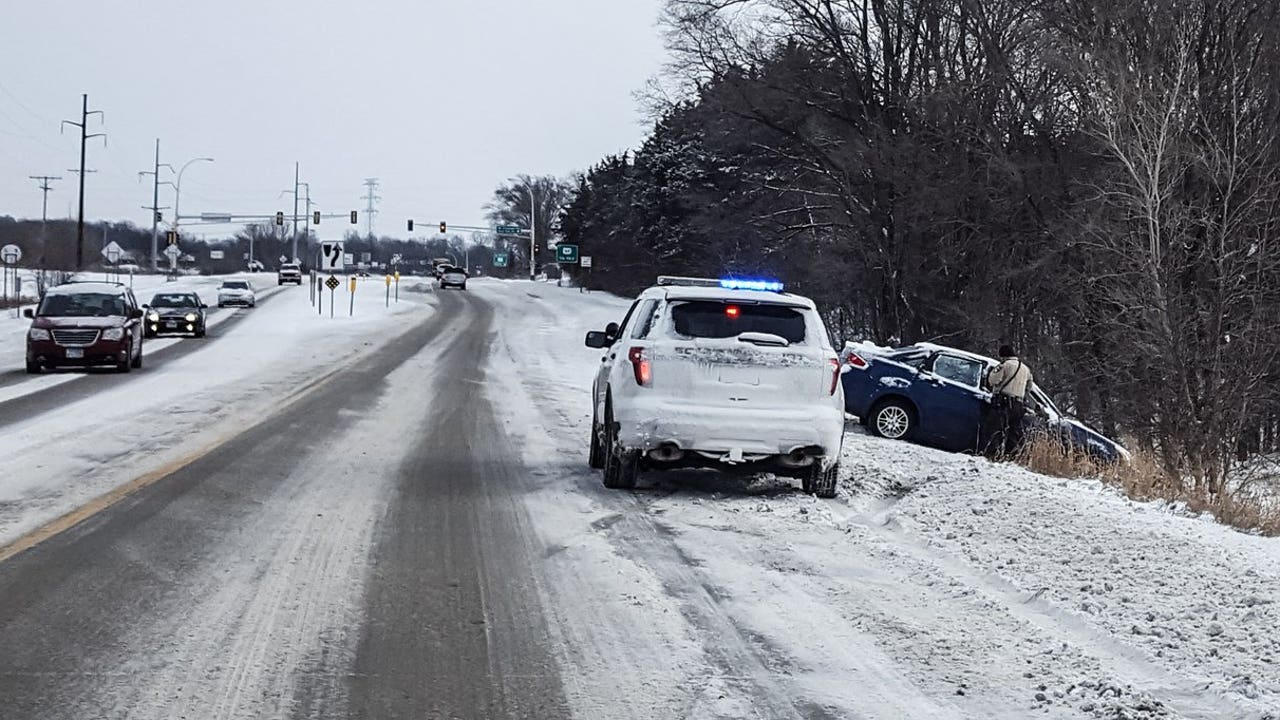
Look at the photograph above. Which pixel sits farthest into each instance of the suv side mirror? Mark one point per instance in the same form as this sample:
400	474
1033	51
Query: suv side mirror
597	339
135	313
29	313
203	306
611	330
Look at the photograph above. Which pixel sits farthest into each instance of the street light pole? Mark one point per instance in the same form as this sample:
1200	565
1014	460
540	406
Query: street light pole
177	194
294	255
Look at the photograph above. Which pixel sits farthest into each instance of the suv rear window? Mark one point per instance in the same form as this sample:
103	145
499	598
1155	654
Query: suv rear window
703	319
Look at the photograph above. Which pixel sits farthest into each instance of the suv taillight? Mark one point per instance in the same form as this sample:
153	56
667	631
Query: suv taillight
641	366
835	375
856	360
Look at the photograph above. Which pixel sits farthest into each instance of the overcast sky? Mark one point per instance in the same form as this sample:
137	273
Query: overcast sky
440	100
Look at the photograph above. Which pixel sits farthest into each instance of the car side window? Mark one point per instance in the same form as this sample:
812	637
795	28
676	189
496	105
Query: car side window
644	319
958	369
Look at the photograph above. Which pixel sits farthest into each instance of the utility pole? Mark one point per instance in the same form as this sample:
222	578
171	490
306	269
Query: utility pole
84	140
533	233
294	254
155	207
44	210
306	221
371	198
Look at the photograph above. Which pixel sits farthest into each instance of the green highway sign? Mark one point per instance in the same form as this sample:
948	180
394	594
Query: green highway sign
566	254
508	230
500	260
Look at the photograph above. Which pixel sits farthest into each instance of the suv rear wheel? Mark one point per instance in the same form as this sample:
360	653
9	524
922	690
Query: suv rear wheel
621	466
595	456
819	482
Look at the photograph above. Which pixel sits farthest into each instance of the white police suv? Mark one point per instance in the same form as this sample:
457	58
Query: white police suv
735	375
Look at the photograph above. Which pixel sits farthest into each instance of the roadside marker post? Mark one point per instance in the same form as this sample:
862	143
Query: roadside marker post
388	291
351	311
397	286
332	283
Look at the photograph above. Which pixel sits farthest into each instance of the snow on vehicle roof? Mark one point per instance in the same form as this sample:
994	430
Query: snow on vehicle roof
962	353
86	287
682	292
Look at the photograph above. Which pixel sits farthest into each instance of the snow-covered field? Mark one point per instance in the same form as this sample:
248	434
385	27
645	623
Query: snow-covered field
935	586
50	464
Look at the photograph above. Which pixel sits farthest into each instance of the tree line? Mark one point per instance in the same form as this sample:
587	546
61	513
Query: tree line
51	246
1094	181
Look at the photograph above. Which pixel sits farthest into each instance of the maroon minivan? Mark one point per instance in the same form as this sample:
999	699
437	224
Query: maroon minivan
85	324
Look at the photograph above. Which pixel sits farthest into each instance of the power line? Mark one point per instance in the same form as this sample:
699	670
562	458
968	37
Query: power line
371	197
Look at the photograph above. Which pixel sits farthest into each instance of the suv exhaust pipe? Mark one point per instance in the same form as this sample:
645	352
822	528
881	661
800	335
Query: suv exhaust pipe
667	452
801	457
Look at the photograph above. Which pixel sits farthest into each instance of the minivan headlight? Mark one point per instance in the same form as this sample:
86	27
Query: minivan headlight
155	317
113	334
38	334
191	317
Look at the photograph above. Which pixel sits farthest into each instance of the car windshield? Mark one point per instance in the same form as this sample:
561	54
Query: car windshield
716	319
235	285
82	305
174	300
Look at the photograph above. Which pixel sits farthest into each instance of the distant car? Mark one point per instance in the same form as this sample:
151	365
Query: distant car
236	292
289	273
255	266
732	376
453	277
85	324
175	312
935	395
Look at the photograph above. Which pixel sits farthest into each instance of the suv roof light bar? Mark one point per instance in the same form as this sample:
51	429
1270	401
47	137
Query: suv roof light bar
676	280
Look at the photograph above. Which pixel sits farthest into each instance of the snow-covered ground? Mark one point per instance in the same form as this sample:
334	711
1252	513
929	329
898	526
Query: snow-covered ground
935	586
58	460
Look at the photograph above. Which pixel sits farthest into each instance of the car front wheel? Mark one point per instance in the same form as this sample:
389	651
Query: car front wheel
892	419
33	368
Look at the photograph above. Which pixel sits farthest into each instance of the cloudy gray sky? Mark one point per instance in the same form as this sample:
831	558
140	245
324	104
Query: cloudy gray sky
439	99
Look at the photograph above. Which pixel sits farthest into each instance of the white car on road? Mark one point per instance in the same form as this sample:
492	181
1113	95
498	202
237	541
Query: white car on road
453	277
236	292
734	375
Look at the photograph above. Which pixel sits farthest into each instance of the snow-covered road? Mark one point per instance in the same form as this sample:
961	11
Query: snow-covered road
392	516
935	585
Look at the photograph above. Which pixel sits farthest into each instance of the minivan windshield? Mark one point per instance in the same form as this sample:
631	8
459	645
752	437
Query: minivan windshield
708	319
82	305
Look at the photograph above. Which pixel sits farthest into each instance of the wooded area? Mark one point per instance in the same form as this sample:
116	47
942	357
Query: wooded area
1094	181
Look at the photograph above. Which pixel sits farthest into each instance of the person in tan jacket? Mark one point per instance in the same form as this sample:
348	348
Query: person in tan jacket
1009	382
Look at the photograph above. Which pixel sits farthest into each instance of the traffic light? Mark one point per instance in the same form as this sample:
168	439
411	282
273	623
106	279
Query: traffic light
159	216
172	237
410	226
315	218
280	218
353	217
444	227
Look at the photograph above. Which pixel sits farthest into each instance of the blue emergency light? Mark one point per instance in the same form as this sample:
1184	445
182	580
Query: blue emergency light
743	284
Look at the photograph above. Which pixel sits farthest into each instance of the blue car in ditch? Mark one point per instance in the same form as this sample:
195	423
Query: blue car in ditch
935	396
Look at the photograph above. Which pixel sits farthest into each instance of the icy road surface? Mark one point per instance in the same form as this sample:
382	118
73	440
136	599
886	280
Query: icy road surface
391	516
